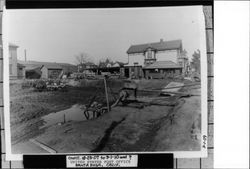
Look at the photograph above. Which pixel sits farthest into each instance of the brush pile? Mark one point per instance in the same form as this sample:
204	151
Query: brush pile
49	85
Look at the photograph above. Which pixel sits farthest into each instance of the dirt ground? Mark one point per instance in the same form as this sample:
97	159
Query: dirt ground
152	127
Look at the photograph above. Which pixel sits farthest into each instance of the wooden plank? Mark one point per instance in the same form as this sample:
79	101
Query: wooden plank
210	65
1	94
2	118
210	88
211	135
3	149
4	163
210	39
207	10
1	70
1	51
210	112
209	161
1	14
2	2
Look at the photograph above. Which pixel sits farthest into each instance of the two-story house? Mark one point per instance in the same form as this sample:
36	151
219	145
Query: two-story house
158	58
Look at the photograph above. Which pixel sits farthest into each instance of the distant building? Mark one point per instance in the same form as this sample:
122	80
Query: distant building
51	71
163	57
33	69
86	66
117	64
36	70
16	70
68	68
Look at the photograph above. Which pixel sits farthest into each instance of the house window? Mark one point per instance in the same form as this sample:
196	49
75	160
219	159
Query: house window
149	54
10	71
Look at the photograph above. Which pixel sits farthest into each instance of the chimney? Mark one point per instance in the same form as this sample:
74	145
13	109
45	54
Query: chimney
161	40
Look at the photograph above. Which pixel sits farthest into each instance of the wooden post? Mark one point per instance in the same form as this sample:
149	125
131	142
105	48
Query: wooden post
106	93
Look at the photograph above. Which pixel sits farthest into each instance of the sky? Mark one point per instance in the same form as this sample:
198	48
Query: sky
59	35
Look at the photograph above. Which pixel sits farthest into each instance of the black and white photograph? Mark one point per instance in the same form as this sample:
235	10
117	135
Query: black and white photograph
105	81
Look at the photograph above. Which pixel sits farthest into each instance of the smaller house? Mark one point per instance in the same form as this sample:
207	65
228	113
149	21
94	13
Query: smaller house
36	70
118	64
86	66
68	68
51	71
115	68
33	72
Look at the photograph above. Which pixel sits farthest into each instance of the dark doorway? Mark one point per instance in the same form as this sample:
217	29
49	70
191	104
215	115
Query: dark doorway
127	72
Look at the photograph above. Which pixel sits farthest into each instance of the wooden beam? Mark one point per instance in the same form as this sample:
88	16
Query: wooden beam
106	93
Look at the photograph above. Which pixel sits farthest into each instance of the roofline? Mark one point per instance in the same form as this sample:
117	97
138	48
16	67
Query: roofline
13	45
163	68
32	62
54	68
157	42
156	50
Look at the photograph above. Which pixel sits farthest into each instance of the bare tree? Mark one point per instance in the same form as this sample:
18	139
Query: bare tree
195	63
184	53
82	59
105	61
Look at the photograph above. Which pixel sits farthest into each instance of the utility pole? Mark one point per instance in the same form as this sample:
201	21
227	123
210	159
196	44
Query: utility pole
25	56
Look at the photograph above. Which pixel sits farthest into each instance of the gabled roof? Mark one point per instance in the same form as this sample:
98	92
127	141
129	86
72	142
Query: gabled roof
31	67
52	66
120	63
43	63
49	65
20	65
13	45
158	46
162	65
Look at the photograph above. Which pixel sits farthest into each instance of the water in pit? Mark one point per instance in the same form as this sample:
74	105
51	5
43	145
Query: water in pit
75	113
